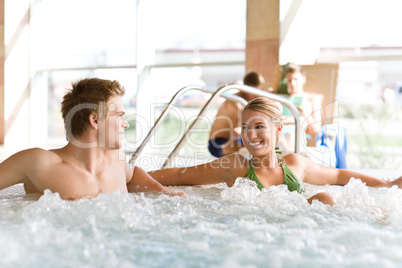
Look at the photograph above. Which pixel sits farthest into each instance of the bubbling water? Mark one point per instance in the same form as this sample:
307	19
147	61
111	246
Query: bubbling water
215	226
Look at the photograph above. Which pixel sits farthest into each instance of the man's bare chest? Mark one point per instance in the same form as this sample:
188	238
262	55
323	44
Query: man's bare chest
72	182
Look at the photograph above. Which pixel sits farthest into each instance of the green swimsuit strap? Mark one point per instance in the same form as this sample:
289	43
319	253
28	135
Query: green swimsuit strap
252	176
290	179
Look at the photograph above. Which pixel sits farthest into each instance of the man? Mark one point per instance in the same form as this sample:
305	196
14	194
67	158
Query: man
91	163
224	138
308	105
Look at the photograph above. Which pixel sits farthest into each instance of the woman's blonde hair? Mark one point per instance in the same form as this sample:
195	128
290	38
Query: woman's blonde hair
266	106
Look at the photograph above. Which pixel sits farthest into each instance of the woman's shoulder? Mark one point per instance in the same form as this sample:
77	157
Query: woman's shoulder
293	158
235	165
236	162
298	161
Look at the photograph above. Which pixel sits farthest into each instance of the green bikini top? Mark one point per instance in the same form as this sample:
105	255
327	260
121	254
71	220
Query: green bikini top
290	179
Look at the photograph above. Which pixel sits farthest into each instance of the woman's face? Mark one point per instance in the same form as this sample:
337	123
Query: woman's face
259	134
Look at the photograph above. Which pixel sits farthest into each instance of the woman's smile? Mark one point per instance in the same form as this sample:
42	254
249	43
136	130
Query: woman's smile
254	143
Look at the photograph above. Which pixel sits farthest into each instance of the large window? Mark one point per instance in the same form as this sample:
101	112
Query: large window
155	47
362	37
82	33
155	40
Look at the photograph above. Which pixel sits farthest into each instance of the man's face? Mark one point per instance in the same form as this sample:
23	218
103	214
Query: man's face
295	82
115	123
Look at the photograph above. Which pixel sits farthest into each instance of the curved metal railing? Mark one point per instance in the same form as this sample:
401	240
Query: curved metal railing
169	106
242	88
215	94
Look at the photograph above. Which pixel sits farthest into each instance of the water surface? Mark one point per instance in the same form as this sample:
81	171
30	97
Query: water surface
215	226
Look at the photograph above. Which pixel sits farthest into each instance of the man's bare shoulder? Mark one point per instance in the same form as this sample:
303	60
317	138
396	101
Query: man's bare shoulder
29	161
39	156
35	154
230	107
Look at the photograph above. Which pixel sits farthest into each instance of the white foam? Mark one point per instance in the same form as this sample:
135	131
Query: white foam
215	227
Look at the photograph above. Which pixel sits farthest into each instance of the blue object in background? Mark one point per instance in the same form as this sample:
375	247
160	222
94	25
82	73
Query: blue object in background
336	154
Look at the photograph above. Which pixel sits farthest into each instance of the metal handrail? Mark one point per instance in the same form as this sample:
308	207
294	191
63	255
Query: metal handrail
169	106
246	89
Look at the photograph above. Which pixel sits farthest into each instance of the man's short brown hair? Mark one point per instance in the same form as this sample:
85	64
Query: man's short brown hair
83	99
292	68
253	79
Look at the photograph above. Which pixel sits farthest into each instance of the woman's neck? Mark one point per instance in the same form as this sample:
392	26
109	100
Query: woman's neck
267	161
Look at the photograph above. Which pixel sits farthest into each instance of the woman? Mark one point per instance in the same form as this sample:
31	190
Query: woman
261	127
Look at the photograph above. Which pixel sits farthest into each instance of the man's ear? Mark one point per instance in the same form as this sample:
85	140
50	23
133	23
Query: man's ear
94	120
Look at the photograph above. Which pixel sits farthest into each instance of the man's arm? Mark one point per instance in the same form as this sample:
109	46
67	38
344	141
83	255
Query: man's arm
311	112
13	169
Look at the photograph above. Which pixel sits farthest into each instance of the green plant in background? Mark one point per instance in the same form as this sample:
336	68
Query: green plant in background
374	135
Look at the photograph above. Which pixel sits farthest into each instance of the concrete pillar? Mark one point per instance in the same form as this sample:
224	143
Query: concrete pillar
263	37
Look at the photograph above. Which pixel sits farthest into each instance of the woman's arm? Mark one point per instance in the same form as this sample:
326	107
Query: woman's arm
317	174
225	169
327	175
143	182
